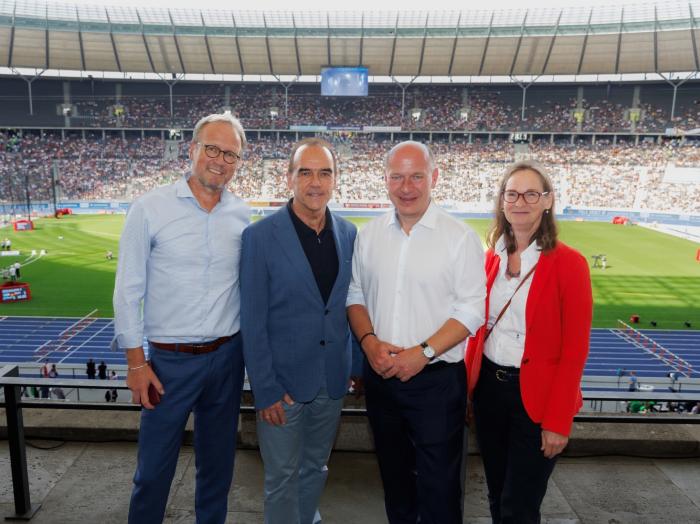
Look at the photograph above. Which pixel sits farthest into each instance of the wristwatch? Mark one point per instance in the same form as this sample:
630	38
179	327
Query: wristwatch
428	351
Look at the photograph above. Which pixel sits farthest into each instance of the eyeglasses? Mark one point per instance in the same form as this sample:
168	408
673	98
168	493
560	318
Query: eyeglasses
213	151
530	197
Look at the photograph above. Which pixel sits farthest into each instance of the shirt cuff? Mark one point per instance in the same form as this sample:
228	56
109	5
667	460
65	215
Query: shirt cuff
355	298
469	317
128	341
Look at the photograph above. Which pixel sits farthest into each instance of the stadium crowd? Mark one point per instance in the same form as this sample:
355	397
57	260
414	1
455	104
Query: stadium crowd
605	175
433	107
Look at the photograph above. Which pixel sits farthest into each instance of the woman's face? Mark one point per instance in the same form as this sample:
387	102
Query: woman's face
525	215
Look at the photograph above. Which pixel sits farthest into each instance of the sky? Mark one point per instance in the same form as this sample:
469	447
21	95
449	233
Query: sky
358	5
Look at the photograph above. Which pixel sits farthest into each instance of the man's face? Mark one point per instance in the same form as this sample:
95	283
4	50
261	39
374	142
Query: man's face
213	174
409	181
312	180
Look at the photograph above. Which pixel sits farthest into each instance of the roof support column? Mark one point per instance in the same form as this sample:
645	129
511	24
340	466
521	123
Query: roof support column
524	87
286	93
676	84
29	86
170	84
403	95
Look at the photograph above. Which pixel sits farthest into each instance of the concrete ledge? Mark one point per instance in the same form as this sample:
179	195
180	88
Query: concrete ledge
588	438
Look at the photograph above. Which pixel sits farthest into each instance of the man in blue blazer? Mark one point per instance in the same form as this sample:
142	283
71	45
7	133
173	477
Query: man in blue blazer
295	273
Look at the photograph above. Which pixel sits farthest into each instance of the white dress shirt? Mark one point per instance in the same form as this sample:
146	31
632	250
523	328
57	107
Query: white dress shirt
506	344
177	277
411	284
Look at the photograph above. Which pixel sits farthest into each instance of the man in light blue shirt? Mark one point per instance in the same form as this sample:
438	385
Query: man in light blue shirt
177	284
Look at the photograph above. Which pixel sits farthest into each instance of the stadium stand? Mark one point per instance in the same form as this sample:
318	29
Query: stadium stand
549	108
604	175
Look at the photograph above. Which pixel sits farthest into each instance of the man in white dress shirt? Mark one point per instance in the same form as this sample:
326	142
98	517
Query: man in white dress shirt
417	292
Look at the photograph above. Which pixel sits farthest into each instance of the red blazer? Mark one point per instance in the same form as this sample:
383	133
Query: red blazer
558	318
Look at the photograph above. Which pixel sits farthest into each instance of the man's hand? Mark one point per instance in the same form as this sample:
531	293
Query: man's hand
409	363
274	415
381	355
358	386
553	443
138	381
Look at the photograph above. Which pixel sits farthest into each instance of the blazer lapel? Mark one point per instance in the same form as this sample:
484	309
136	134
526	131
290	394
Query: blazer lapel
543	273
288	241
341	243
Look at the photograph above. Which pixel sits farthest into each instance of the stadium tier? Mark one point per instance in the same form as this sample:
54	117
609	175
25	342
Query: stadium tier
605	175
548	108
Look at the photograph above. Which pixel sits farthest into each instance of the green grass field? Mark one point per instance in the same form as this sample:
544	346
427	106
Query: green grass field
649	273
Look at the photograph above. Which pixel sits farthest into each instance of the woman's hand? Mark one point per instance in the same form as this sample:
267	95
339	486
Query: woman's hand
553	443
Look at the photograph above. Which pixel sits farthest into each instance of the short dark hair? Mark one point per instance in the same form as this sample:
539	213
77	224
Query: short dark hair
547	232
312	142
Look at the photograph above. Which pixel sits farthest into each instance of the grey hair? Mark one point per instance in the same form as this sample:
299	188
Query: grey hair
226	117
426	152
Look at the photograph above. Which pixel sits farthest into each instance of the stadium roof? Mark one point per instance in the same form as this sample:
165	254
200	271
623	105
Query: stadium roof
660	38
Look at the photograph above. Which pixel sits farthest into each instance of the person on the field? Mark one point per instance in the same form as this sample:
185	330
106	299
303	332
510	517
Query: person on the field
295	272
177	284
526	362
417	292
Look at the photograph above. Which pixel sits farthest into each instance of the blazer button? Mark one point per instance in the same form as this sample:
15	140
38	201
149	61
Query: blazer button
526	361
326	311
323	342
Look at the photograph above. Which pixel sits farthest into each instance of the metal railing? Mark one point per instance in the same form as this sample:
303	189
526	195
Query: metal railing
12	384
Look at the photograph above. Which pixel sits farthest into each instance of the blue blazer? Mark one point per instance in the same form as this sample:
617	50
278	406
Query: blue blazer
289	335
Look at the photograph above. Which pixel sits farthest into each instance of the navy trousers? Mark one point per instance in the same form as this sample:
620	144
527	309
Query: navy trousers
516	469
418	429
209	386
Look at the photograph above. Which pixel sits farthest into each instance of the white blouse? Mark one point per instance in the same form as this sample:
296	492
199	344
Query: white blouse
506	344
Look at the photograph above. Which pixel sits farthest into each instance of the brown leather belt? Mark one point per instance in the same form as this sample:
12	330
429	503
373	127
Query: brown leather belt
195	349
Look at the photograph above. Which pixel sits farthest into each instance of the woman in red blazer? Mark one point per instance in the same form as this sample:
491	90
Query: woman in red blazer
525	364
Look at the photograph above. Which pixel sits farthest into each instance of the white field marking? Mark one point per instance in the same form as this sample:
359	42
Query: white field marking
100	233
76	348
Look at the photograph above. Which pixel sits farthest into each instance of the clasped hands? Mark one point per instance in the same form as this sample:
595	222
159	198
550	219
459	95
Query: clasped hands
388	360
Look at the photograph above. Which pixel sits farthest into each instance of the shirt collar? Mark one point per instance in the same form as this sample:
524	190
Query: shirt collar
183	190
429	218
303	228
527	257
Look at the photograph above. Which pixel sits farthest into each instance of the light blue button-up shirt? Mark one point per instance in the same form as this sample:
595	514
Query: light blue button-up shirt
177	277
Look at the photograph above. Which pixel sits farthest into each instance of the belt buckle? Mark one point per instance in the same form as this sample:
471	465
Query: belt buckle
196	348
502	375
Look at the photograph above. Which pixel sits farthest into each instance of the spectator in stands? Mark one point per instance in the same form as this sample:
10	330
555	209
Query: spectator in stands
186	233
113	393
295	272
102	370
526	362
634	382
90	369
44	373
57	391
417	292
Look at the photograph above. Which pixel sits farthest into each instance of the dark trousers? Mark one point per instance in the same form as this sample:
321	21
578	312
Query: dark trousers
516	470
418	429
209	386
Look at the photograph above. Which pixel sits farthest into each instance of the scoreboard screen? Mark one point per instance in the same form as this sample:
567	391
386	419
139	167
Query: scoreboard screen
344	81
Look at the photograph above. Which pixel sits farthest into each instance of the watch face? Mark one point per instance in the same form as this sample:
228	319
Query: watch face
428	352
